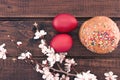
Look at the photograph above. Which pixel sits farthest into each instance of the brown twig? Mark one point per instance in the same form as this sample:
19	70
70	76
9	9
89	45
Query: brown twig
64	72
75	70
32	61
59	67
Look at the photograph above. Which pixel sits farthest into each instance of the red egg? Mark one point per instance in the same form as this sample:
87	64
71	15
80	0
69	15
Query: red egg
61	43
64	23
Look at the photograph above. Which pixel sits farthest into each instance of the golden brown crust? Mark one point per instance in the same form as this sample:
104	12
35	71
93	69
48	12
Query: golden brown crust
99	34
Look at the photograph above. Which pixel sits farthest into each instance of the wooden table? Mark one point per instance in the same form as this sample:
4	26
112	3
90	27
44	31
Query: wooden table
17	18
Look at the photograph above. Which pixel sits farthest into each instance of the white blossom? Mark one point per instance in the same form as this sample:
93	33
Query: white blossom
45	49
39	34
35	24
65	77
55	57
56	77
69	63
85	76
19	43
47	75
50	51
8	35
110	76
3	51
37	67
44	62
62	56
43	41
25	55
52	57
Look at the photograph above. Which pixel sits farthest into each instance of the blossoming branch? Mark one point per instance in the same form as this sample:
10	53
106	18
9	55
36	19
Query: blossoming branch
47	66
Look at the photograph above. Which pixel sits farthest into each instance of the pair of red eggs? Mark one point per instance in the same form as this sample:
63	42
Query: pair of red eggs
63	23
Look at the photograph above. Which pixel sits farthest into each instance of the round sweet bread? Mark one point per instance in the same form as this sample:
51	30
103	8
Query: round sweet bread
99	34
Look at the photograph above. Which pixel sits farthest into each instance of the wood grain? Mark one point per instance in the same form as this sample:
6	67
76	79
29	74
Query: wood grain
19	70
49	8
23	31
99	66
16	24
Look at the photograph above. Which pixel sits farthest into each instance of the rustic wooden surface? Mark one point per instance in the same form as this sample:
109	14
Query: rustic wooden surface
17	18
49	8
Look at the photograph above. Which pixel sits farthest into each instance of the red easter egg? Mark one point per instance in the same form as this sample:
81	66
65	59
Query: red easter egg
64	23
61	43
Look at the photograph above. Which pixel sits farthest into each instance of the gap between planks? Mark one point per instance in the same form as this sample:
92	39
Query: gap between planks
75	57
46	18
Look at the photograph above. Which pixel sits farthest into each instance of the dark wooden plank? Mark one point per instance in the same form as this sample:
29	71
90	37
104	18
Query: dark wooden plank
49	8
99	66
19	70
22	31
